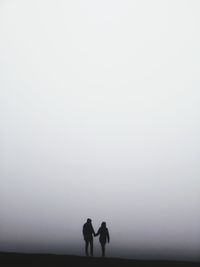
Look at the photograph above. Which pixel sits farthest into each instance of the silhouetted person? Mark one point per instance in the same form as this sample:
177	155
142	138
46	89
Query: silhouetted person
104	237
88	233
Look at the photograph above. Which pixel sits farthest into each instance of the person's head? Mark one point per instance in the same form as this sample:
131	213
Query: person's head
89	220
103	224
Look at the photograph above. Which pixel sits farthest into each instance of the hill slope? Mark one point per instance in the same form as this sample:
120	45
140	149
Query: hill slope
42	260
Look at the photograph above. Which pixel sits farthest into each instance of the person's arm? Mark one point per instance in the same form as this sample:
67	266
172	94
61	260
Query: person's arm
93	232
83	231
97	233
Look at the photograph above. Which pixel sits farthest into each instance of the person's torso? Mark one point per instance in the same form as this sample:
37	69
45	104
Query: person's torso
103	232
87	230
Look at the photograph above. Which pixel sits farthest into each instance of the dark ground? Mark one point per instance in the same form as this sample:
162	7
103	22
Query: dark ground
37	260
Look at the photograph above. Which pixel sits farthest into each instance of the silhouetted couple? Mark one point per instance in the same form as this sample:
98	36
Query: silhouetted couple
88	233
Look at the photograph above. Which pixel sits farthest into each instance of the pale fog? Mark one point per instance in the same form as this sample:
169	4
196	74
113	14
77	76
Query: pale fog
100	116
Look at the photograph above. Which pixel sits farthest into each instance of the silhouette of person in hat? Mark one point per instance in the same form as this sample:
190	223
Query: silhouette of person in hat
88	233
103	237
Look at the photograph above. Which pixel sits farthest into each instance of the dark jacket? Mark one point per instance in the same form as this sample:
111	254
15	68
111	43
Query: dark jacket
88	231
104	234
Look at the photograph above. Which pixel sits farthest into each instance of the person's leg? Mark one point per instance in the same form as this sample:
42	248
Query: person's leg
91	247
103	249
86	247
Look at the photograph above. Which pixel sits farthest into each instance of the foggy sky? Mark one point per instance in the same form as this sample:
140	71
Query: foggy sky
99	111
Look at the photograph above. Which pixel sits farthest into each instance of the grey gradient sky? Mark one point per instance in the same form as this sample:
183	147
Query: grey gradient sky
99	111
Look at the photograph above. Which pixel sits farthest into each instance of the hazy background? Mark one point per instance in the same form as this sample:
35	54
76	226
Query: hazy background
99	111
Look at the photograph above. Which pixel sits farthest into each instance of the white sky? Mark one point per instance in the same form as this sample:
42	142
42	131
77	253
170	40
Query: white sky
99	111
